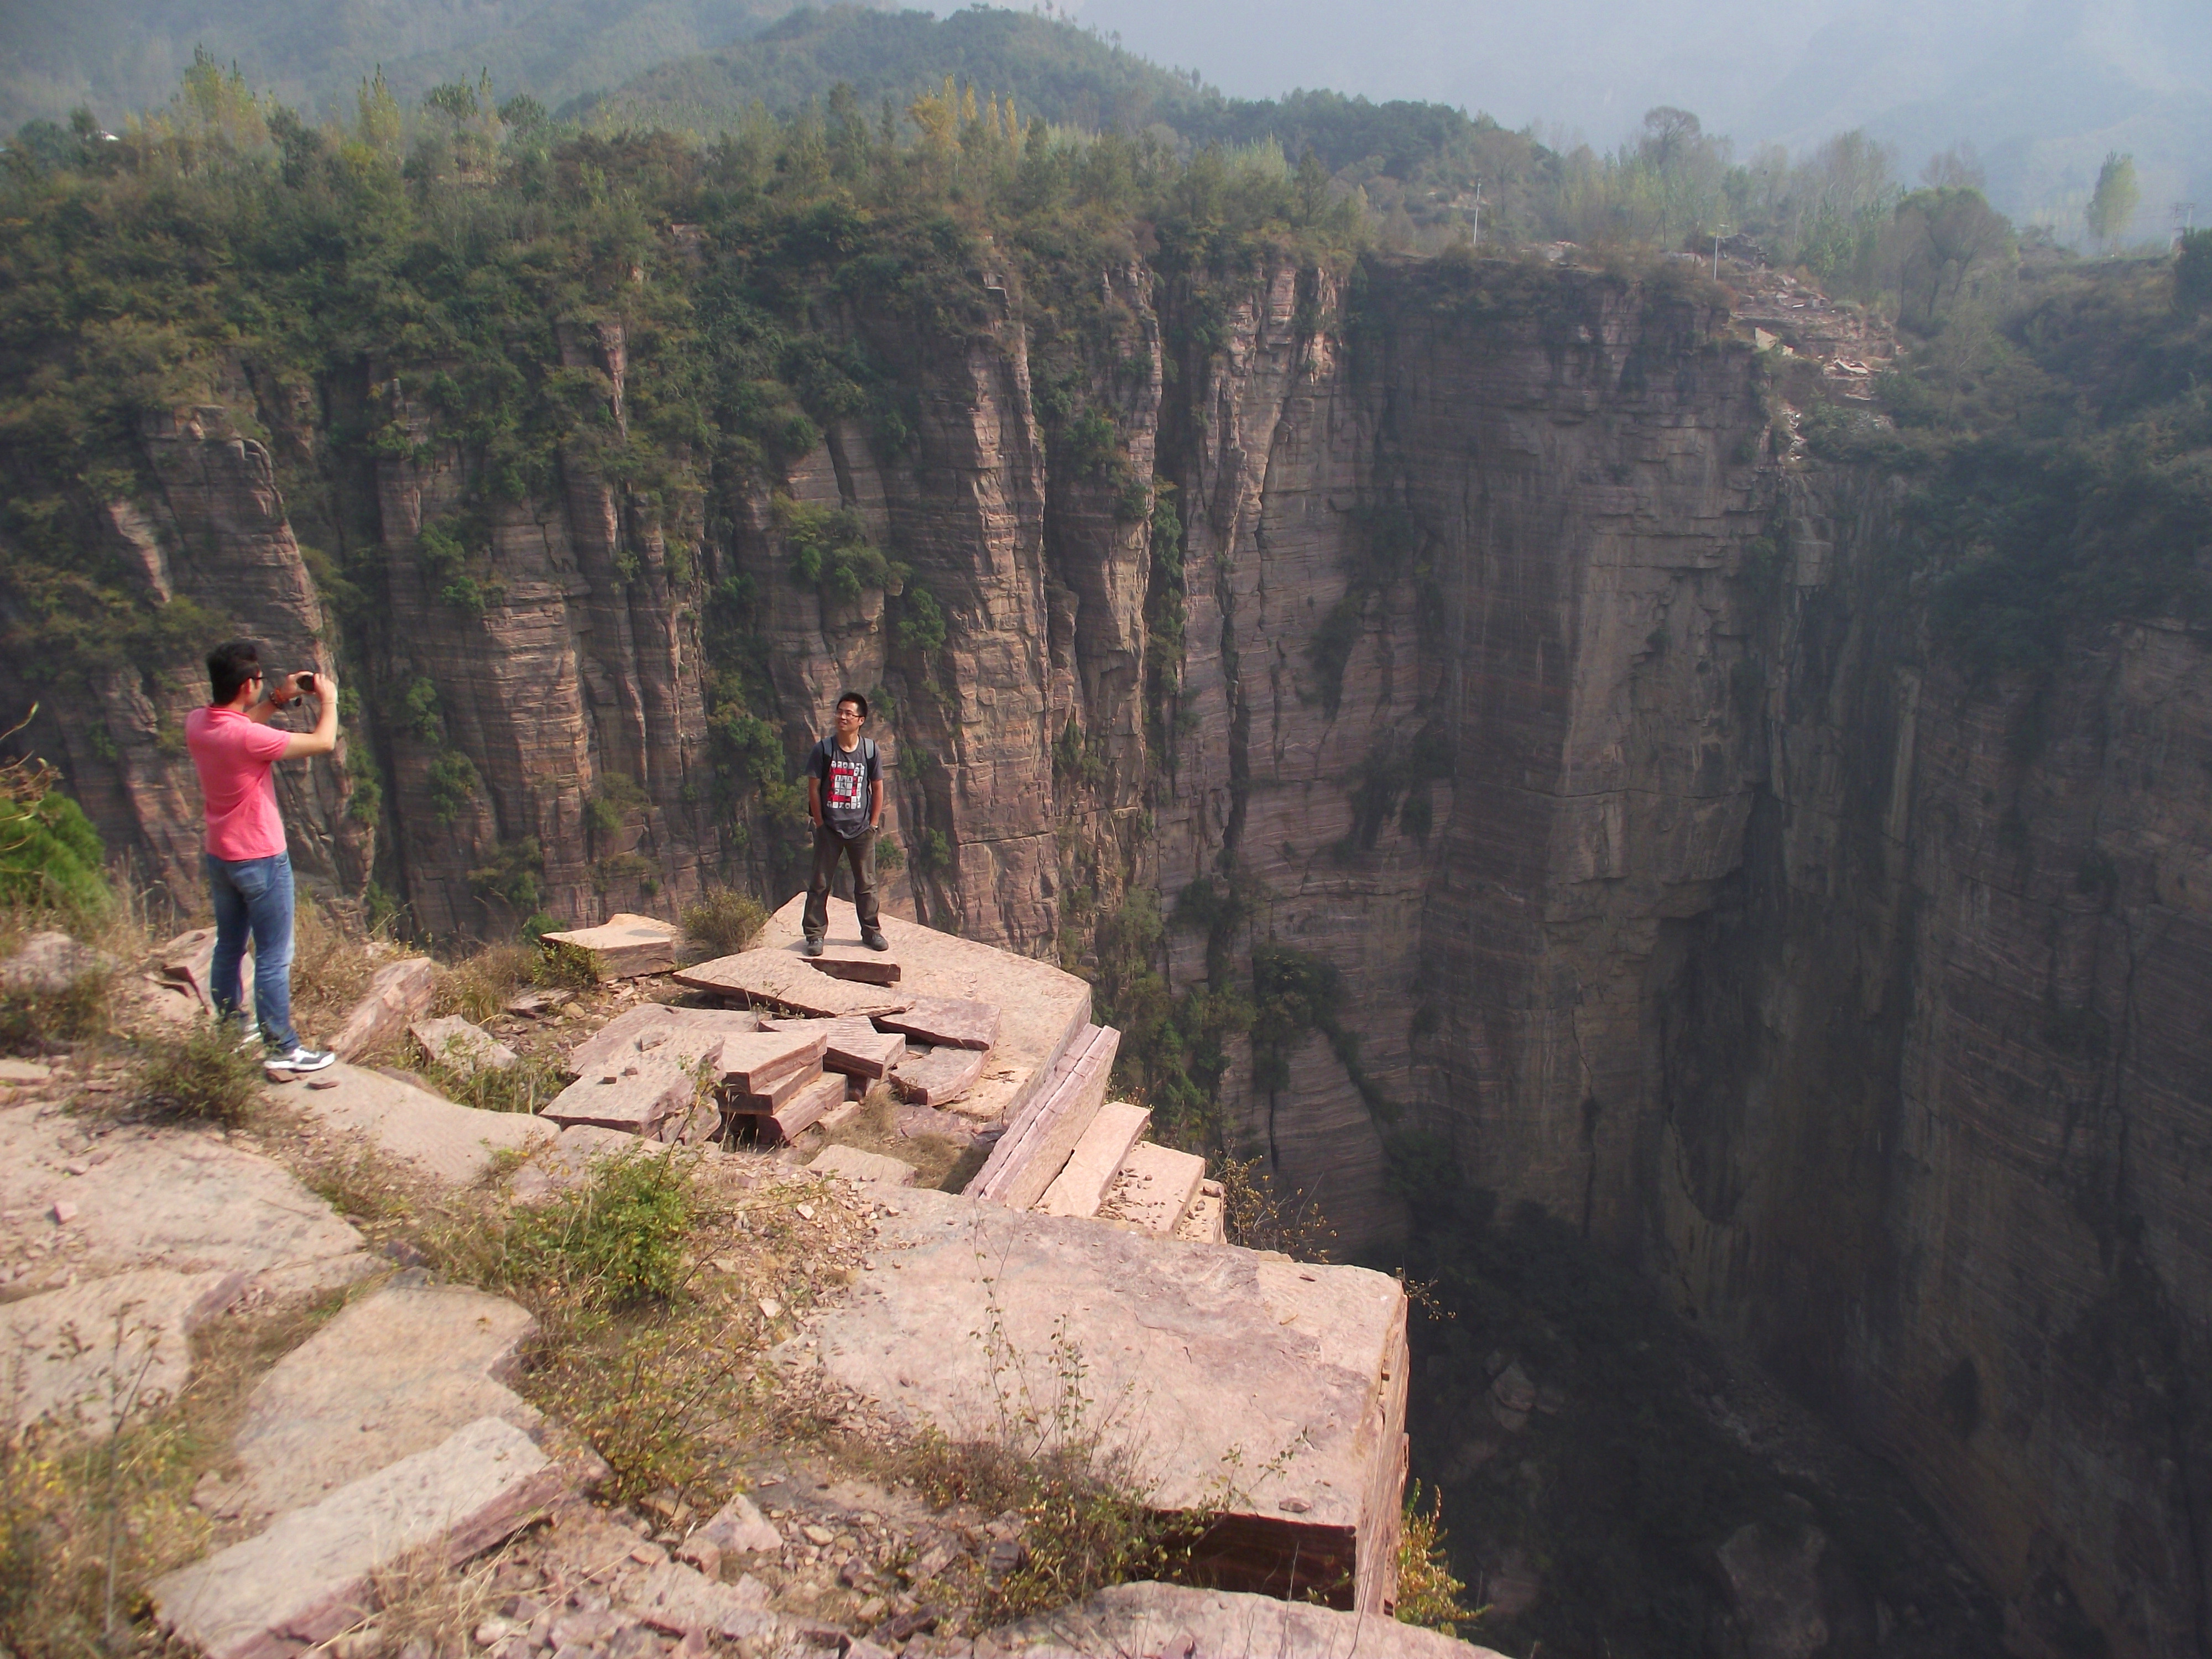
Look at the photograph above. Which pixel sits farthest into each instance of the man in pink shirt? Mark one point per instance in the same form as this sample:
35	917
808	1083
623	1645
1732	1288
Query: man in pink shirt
249	870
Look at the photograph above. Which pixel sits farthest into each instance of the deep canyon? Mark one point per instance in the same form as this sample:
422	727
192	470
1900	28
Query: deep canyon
1475	639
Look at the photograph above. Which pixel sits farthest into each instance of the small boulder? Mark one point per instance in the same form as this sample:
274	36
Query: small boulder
466	1049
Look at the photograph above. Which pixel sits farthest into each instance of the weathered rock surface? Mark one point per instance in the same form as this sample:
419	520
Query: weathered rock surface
646	1095
781	979
177	1199
852	1045
394	1374
1081	1184
852	1162
937	1076
686	1035
466	1047
856	962
306	1577
449	1144
50	963
107	1351
1169	1618
626	946
399	994
1154	1189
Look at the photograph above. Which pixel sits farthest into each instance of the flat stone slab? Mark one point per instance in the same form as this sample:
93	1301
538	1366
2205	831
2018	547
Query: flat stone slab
399	994
1283	1381
804	1110
1207	1219
627	945
947	1022
52	961
1096	1159
307	1578
857	1165
856	962
675	1600
1038	1142
753	1064
467	1048
644	1094
177	1199
393	1375
853	1045
1169	1618
107	1350
780	978
1040	1008
13	1072
740	1528
450	1144
933	1077
687	1035
1154	1189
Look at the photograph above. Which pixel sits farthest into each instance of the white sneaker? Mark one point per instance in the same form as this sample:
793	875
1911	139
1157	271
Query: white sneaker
297	1058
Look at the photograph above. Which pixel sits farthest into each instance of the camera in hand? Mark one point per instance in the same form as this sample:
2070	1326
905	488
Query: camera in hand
307	682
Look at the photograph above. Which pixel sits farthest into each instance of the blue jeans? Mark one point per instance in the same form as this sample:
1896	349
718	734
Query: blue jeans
254	894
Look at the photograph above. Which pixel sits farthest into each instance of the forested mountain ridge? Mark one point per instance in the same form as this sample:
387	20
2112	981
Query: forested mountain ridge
1561	776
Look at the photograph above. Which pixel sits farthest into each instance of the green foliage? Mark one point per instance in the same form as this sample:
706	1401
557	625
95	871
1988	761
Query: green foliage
725	921
1428	1595
921	623
2192	271
1294	994
51	856
202	1077
514	875
2112	204
932	853
615	1242
830	550
454	784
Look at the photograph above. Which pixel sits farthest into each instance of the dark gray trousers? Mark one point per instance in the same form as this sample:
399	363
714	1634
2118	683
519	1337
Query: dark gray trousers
860	852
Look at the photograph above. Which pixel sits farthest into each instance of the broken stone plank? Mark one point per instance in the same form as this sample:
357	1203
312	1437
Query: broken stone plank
740	1528
452	1145
754	1063
1207	1220
799	1114
467	1048
1042	1008
399	994
855	1164
856	962
676	1600
187	961
778	978
945	1022
627	945
1166	1619
532	1004
393	1375
638	1099
771	1096
930	1076
107	1350
686	1035
1034	1151
24	1071
1092	1167
1269	1391
1154	1189
853	1045
307	1577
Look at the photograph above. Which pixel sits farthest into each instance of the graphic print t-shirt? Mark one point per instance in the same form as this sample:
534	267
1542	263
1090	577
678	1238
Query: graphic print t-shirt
845	780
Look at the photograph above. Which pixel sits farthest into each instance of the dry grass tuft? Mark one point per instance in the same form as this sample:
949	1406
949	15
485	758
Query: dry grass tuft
425	1607
479	987
333	963
724	922
874	1128
202	1076
1428	1595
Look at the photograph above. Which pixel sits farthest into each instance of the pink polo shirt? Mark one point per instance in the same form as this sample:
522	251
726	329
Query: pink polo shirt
234	756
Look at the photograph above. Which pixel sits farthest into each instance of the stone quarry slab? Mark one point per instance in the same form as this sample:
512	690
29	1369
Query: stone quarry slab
15	1072
1041	1009
947	1022
753	1064
627	945
934	1076
772	1096
645	1093
853	1045
1282	1380
307	1577
177	1199
399	994
104	1350
185	963
467	1048
1207	1221
856	962
857	1165
1096	1159
1204	1624
780	978
795	1115
51	962
683	1033
676	1600
1154	1189
449	1144
1035	1146
393	1375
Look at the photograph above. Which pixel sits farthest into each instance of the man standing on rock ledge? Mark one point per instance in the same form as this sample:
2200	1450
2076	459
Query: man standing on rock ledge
248	867
845	798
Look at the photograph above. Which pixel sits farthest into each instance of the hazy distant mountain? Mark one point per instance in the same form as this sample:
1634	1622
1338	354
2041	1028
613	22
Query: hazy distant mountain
122	55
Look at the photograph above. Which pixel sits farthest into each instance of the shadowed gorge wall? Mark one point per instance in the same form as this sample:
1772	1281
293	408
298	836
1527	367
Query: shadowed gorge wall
1541	751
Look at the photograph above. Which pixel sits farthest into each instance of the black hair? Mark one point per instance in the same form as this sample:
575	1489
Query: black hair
230	666
853	697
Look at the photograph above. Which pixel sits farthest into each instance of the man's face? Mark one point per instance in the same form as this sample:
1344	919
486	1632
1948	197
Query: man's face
848	720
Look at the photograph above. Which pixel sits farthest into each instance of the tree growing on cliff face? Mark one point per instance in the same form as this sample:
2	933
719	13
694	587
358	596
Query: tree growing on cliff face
1946	245
2112	204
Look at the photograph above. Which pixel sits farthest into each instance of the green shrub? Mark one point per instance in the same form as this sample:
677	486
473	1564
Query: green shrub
725	921
614	1242
202	1076
566	967
51	857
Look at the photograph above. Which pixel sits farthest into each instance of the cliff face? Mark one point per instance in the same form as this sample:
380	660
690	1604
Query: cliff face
1584	750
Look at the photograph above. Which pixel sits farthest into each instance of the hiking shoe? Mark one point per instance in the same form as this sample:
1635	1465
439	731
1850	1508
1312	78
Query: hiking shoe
297	1058
810	947
874	939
